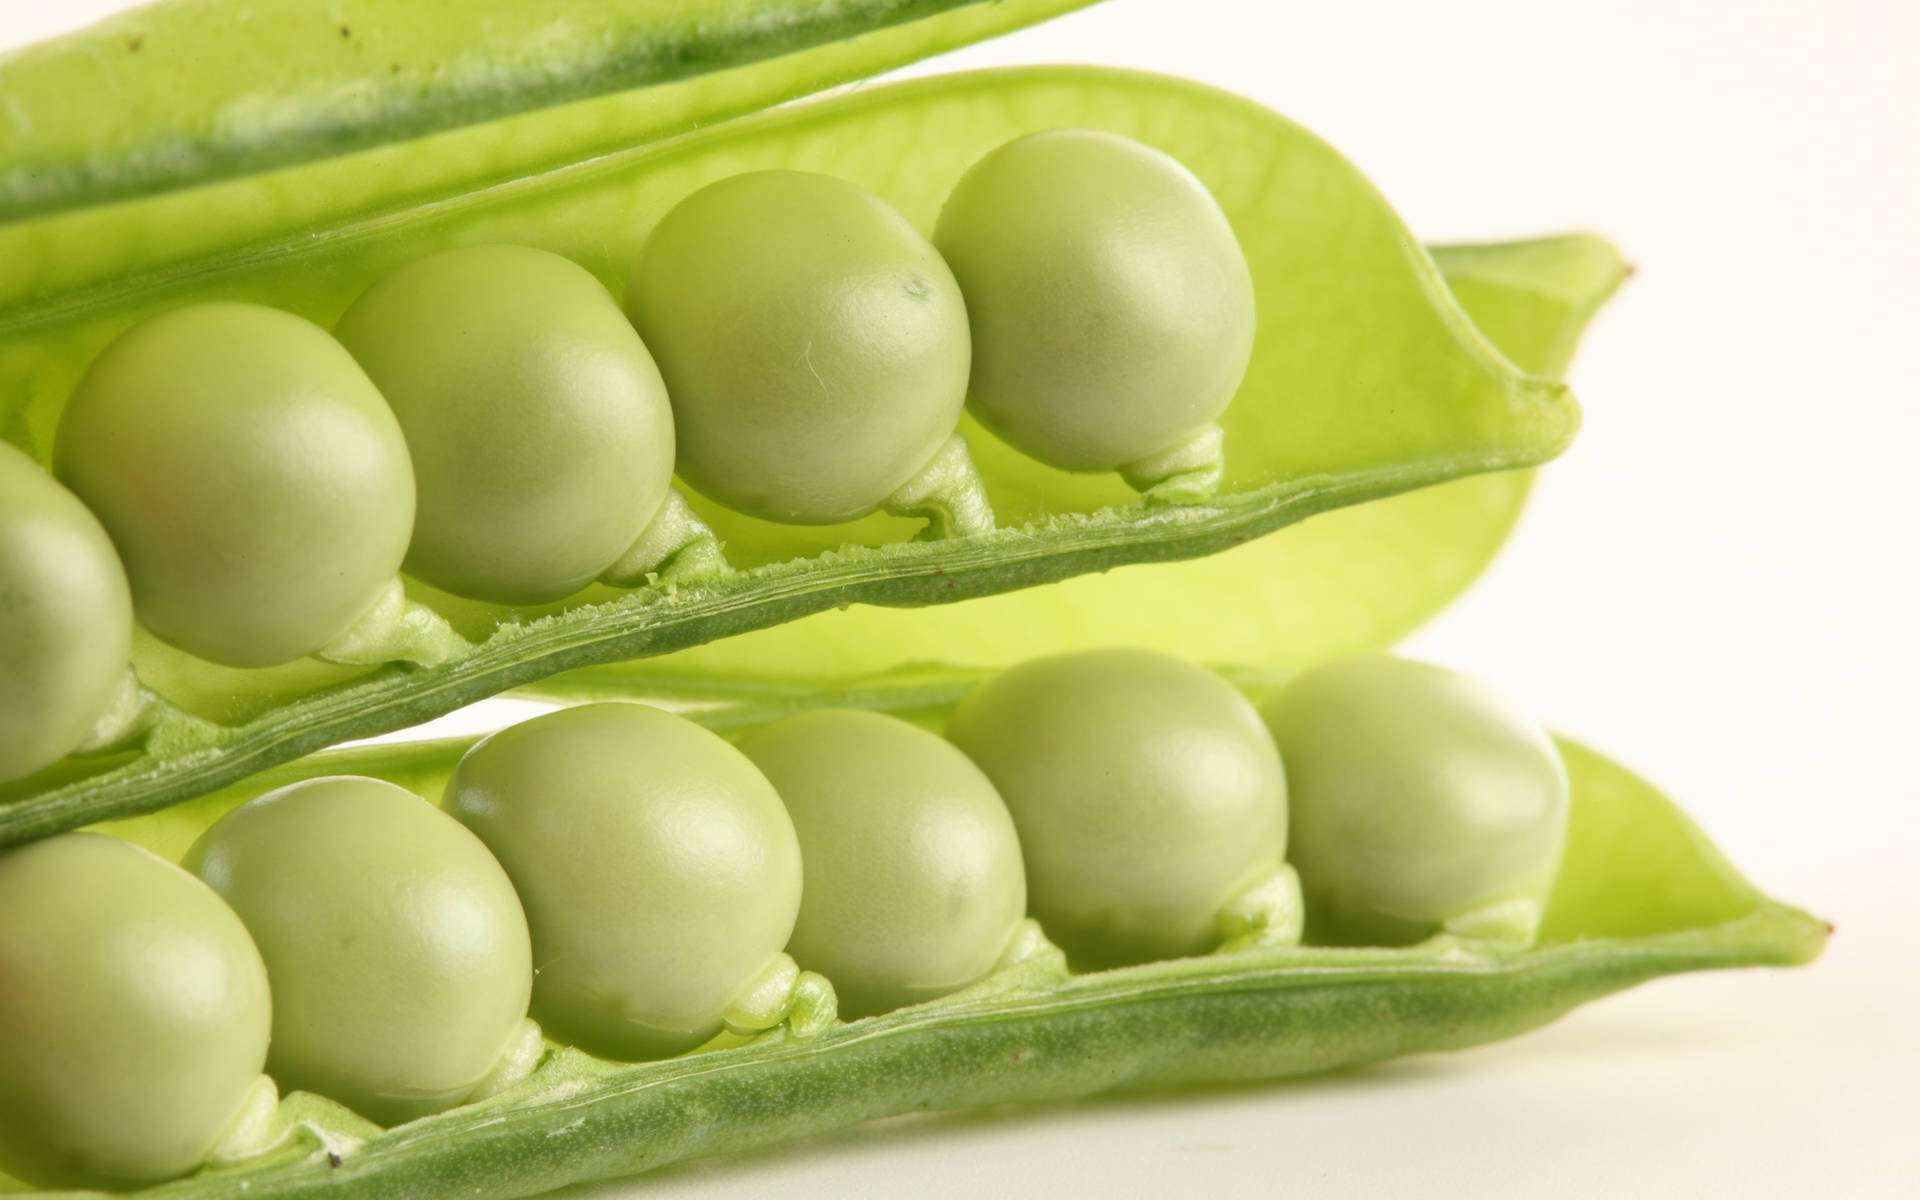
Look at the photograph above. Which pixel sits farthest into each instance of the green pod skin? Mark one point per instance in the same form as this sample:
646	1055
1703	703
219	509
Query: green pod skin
395	945
66	618
1420	799
1112	308
813	342
1145	790
659	870
253	480
133	1015
913	881
541	436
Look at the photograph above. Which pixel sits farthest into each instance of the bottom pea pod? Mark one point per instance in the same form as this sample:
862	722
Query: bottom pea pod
1499	878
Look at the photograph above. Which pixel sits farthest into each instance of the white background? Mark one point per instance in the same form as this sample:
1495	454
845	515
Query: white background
1717	585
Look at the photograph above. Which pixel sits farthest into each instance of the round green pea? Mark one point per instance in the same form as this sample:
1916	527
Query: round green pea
659	870
66	619
133	1015
1418	797
541	436
394	942
1146	792
1112	309
913	881
253	480
813	342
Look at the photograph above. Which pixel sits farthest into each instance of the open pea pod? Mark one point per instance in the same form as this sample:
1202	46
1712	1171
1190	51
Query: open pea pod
1641	894
1348	581
1368	380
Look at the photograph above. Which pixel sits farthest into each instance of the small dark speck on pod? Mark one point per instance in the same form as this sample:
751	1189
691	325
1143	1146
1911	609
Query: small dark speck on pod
395	68
134	43
345	32
333	1160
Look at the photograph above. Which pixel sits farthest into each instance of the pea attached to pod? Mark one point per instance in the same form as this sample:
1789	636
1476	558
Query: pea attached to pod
251	476
1112	309
396	948
133	1015
541	436
913	885
1150	803
66	619
1421	800
659	870
814	345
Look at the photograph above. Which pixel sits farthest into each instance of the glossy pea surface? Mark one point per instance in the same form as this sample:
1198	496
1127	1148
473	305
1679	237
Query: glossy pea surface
396	948
256	485
66	619
659	870
912	876
813	342
1418	796
1145	790
133	1014
541	436
1111	307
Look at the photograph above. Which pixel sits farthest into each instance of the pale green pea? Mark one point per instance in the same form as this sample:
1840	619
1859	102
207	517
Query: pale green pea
913	884
253	480
541	437
1111	307
394	943
659	870
814	344
1147	795
66	620
133	1015
1420	799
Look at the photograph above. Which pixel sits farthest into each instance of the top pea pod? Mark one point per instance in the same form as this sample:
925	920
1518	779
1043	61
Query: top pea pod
1337	281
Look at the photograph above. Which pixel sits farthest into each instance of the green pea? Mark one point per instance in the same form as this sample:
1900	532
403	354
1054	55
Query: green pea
255	483
660	872
814	344
541	437
913	883
1420	799
1112	309
133	1015
1147	795
394	942
66	620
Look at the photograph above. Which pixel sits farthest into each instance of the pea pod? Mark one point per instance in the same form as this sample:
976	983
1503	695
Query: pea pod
1338	280
1641	894
298	82
1346	582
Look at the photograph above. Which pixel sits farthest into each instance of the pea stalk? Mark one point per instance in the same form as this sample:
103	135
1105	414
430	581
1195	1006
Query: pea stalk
1641	894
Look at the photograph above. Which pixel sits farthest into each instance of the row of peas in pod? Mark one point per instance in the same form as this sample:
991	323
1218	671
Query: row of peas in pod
489	420
640	885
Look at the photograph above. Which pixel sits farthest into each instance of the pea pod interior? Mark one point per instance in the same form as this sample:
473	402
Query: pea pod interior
1642	893
1367	380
